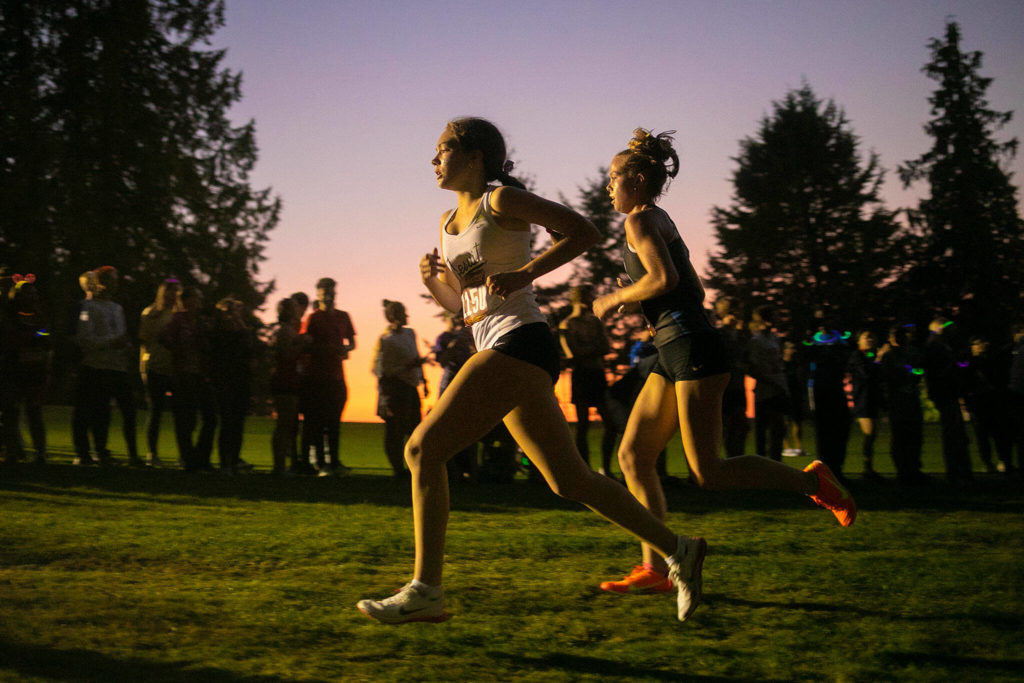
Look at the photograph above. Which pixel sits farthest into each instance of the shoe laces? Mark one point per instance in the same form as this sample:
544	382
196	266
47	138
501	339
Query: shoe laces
399	595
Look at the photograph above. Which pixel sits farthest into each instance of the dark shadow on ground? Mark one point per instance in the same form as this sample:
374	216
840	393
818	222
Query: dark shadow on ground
971	668
988	493
55	664
578	666
996	620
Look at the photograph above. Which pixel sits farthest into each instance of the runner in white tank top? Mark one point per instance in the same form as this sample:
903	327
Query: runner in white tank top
482	249
488	271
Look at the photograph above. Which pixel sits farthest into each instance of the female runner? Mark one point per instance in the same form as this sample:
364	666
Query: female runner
485	269
685	389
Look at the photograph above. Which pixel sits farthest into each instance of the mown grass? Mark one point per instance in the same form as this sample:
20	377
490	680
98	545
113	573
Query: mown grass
156	575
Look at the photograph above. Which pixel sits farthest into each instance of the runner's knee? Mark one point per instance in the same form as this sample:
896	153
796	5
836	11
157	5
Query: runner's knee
415	453
635	464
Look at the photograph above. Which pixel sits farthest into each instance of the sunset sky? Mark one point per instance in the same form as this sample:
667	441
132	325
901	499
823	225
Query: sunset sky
349	99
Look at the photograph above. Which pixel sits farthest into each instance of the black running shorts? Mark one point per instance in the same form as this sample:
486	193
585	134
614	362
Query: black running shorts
534	344
693	356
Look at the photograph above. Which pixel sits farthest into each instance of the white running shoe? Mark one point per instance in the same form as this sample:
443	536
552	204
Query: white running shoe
685	573
407	604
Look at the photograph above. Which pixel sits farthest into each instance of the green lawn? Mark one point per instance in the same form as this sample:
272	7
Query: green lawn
157	575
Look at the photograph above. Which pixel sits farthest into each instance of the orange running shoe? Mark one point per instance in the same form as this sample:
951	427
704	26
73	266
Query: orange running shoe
832	495
641	580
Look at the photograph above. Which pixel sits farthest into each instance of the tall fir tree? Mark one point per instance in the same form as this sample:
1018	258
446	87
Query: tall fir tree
806	230
117	149
972	256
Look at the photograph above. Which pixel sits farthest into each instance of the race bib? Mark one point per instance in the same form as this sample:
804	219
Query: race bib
474	304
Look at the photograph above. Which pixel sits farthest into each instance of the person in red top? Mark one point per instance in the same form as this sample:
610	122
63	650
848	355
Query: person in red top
331	338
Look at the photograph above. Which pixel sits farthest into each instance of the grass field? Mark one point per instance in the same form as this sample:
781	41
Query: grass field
156	575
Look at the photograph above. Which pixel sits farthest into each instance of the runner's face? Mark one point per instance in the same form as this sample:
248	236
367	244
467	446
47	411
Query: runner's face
622	188
453	167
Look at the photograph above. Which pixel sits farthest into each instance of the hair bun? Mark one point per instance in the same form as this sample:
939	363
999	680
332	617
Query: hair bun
658	147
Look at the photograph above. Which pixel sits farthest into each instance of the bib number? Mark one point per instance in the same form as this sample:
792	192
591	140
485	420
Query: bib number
474	304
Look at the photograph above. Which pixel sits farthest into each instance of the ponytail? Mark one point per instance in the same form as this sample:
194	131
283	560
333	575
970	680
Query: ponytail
505	179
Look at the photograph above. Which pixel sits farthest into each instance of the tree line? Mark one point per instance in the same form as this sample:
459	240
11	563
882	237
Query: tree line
116	147
807	233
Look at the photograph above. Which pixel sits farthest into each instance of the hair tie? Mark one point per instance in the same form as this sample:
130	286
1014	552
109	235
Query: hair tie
507	167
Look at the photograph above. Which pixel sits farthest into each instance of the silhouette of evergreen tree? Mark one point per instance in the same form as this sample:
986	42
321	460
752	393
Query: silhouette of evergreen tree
971	259
116	148
806	229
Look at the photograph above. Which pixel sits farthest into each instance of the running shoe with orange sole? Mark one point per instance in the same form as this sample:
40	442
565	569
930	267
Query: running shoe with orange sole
640	580
832	495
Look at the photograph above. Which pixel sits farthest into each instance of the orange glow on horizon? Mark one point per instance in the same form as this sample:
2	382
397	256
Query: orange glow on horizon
362	385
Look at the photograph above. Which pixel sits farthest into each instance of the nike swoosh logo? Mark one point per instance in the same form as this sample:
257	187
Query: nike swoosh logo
403	610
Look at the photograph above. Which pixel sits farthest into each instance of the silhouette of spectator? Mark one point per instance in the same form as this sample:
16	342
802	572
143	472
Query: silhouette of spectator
986	377
83	421
585	343
1015	391
232	345
5	285
735	423
452	349
285	384
155	362
302	461
771	394
399	371
829	354
301	300
331	338
102	335
901	381
866	381
794	368
27	352
941	379
188	340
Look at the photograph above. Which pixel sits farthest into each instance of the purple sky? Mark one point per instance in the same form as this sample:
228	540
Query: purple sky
350	97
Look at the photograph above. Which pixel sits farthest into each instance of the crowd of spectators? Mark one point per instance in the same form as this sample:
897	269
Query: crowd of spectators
199	368
843	378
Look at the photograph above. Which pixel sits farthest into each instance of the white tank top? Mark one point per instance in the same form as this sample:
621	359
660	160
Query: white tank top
484	248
